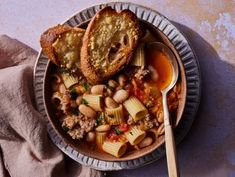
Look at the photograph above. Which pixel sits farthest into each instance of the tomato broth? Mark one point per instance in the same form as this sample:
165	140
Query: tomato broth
159	60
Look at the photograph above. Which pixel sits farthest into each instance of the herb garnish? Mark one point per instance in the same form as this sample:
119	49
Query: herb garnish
73	94
131	133
117	131
65	128
86	86
100	119
64	70
84	101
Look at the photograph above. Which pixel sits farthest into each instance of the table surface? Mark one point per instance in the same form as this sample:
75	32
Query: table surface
209	148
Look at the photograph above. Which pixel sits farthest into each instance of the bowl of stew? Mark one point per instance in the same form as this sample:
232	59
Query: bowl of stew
122	118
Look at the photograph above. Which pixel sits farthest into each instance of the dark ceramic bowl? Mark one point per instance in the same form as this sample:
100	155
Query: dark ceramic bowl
82	147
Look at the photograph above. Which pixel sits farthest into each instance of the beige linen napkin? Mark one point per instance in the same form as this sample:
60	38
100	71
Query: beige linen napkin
25	149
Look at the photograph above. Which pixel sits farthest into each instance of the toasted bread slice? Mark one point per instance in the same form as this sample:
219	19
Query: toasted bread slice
108	43
62	44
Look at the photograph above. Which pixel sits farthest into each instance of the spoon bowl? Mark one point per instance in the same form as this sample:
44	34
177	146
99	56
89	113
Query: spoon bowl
172	60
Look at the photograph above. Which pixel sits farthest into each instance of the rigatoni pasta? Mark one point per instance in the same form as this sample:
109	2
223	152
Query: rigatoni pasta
116	149
114	116
69	79
56	98
100	138
135	108
94	101
139	56
134	135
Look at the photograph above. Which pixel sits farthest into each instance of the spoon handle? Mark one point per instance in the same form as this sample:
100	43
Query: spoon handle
172	164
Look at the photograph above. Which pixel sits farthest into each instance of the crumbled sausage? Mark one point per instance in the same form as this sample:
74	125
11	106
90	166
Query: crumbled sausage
87	124
70	121
78	125
148	122
141	73
76	133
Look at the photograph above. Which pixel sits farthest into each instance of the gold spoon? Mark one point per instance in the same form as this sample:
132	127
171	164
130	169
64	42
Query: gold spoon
172	164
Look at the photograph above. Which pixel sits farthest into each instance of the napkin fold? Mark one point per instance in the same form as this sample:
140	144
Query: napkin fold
25	148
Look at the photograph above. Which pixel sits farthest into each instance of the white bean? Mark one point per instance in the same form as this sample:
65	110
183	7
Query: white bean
160	117
79	100
147	141
97	89
87	111
110	103
103	128
90	137
122	80
154	73
160	129
120	96
62	88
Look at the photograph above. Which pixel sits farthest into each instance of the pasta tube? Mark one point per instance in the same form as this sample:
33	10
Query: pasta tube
69	79
94	101
134	135
135	108
139	57
116	149
56	98
100	138
114	116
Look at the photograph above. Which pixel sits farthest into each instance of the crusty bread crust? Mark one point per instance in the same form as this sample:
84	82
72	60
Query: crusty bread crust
93	74
50	36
